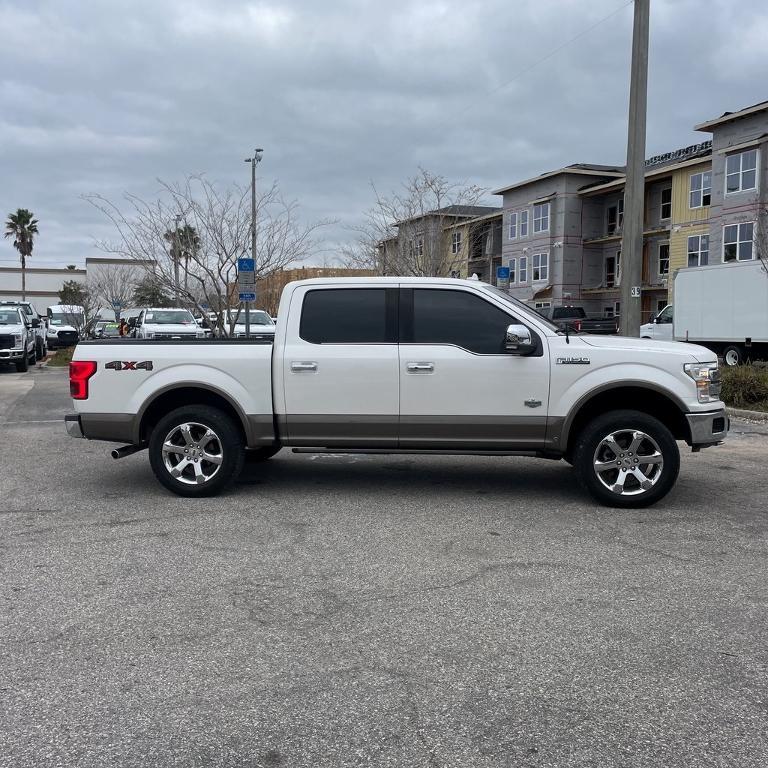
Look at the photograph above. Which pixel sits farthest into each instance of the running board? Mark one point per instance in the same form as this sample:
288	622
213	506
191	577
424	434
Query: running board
426	452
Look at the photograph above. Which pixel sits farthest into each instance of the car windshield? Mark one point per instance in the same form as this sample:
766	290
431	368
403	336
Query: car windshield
60	319
257	318
169	317
9	317
515	304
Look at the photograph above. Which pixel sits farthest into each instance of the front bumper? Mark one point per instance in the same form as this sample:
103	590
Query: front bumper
708	428
12	354
72	423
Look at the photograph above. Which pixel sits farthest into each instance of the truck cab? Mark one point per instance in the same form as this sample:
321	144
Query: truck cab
660	327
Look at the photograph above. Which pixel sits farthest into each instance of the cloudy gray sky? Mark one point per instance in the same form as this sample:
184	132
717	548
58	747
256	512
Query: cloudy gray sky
104	96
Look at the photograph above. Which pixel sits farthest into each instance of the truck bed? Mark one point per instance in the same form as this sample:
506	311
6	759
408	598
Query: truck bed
132	373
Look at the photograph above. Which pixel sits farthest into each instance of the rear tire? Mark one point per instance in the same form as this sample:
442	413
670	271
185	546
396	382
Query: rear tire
257	455
733	355
609	454
196	451
40	350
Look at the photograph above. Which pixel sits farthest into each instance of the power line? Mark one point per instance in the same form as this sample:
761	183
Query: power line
549	55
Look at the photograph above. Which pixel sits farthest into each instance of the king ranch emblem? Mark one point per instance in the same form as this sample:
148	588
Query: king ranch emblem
572	361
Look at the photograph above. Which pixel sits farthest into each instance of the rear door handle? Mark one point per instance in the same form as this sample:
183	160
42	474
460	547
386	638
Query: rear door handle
297	367
420	367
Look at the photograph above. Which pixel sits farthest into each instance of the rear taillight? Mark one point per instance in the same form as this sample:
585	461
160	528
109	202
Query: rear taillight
79	373
577	326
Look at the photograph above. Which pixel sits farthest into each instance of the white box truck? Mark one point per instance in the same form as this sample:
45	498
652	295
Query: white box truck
724	307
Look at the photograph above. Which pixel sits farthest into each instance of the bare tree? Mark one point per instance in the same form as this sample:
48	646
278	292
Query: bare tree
405	233
114	285
221	222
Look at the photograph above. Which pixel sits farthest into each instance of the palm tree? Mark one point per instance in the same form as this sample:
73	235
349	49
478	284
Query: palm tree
22	226
184	245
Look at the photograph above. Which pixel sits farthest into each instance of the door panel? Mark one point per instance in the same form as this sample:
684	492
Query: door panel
341	393
453	397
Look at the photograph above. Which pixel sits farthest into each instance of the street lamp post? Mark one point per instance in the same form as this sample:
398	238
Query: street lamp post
254	161
176	254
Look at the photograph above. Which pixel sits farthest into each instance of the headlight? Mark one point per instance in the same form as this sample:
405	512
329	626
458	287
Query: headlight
17	339
707	379
200	334
148	335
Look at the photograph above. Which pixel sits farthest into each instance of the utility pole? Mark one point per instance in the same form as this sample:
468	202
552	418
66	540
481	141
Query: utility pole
254	161
634	188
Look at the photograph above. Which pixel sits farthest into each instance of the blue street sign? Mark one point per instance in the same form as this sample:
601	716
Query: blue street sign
502	273
247	296
245	265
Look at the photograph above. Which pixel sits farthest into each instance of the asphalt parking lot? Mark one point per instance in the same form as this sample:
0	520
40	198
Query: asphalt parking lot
382	611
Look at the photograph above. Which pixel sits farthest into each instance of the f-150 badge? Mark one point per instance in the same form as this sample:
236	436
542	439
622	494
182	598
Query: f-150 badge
572	361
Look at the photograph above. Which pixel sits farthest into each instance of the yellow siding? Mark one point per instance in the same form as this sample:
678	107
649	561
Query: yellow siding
681	213
678	248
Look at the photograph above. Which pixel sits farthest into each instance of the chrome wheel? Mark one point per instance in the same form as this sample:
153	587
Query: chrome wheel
628	462
192	453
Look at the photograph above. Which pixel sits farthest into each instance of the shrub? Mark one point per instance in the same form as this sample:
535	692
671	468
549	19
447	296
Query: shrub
62	357
745	386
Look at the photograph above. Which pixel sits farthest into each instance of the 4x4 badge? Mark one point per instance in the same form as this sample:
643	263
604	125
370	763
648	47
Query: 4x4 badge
129	365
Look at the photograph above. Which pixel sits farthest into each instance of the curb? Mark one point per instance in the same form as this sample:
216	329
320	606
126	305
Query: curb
741	413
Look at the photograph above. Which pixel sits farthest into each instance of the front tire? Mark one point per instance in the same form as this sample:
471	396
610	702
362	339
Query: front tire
196	451
22	366
627	459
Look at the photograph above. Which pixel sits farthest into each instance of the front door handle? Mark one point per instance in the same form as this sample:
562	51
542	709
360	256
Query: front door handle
420	367
300	367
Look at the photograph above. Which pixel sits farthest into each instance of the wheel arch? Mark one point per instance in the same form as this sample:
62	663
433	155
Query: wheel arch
177	395
636	396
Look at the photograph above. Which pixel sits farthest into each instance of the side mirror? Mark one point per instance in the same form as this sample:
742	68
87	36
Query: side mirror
655	320
35	322
519	340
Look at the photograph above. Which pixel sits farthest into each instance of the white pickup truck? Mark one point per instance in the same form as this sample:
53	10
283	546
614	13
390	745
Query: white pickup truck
403	365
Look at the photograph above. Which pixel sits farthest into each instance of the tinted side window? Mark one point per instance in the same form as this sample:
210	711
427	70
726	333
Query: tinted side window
565	312
345	316
460	318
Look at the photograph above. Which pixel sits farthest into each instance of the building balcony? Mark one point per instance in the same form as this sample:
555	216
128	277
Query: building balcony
615	237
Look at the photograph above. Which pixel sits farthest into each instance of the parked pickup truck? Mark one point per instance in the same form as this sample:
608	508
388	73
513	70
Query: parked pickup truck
576	320
403	365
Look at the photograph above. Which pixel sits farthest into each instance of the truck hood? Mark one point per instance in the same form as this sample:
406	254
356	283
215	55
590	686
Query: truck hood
240	328
629	343
11	329
56	328
171	327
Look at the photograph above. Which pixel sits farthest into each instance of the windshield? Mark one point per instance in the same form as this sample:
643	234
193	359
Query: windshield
68	319
517	305
257	318
169	317
9	317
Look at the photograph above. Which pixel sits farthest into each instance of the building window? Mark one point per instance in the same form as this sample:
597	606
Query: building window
613	270
542	304
607	311
698	250
541	218
523	270
660	304
540	266
737	241
524	223
663	260
456	242
616	308
700	190
666	203
741	172
512	271
513	226
615	217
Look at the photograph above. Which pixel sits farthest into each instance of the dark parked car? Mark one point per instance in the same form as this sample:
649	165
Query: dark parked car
575	320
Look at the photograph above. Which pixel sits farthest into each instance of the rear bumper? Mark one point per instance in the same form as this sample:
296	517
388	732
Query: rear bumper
73	425
709	428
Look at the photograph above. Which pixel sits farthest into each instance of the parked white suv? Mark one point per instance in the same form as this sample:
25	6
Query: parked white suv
167	323
17	338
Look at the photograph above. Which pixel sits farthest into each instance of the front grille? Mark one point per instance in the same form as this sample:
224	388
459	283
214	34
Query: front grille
171	336
68	336
6	341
